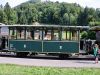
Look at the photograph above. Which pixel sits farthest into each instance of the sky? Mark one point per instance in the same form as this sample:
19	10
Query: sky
83	3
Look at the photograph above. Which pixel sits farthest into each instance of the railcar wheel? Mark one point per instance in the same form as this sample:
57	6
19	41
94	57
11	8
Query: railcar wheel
21	54
64	56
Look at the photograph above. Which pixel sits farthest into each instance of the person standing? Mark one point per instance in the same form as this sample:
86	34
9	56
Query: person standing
96	48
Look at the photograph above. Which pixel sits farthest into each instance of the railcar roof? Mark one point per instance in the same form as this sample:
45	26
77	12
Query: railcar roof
55	26
95	28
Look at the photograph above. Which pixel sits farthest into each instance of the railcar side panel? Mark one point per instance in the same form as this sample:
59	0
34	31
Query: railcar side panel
45	46
61	46
25	45
50	46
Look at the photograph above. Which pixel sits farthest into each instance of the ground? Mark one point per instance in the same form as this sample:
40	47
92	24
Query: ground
47	61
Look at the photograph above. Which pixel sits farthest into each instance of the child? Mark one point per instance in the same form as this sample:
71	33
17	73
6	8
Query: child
96	48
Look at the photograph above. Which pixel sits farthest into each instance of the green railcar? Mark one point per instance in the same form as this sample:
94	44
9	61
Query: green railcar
48	39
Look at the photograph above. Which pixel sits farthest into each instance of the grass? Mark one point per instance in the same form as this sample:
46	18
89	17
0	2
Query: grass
6	69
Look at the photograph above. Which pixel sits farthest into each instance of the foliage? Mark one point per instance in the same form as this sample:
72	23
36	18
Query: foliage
11	17
91	35
84	35
88	35
3	17
50	13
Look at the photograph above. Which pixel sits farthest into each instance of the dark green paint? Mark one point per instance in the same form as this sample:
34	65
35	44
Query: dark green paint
69	47
47	46
35	46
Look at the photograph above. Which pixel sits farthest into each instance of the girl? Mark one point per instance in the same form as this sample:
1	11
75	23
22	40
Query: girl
96	48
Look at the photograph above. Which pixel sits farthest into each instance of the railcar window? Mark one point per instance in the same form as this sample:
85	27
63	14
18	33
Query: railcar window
37	35
17	33
55	35
70	35
47	35
12	34
20	34
28	35
64	35
74	35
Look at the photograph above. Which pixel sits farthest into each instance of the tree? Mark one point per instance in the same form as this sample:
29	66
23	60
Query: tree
22	18
66	19
56	13
97	21
84	35
72	19
34	1
83	17
11	14
13	17
3	17
56	17
1	6
29	16
91	35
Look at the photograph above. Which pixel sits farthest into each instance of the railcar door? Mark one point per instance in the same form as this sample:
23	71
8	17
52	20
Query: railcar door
4	31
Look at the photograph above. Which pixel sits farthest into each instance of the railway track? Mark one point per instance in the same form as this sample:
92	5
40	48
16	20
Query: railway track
43	56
